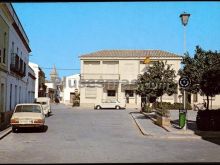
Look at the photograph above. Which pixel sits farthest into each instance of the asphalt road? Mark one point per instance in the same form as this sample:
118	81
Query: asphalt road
75	135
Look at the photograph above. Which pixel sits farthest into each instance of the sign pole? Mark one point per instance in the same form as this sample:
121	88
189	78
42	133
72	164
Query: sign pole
184	107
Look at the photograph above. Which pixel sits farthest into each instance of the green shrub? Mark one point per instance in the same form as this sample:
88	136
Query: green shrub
147	108
181	106
168	105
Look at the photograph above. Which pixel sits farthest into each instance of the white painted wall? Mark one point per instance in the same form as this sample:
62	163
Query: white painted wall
126	68
36	70
70	84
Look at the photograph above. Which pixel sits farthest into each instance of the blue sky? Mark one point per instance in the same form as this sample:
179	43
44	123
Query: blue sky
60	32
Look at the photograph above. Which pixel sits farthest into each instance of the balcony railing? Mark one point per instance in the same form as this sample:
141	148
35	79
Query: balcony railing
94	76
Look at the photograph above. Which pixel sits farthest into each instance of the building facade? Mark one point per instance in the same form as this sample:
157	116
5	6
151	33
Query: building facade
40	87
70	88
53	89
111	74
14	55
31	85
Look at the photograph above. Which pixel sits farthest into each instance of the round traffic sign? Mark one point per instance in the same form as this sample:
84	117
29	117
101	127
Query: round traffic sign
184	82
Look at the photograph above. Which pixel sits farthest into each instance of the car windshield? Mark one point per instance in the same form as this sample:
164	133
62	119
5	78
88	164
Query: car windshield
42	103
28	108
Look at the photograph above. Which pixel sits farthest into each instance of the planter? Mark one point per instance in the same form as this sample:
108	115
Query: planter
162	120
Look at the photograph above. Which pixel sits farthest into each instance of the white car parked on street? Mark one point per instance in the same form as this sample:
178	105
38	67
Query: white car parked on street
45	102
27	115
111	103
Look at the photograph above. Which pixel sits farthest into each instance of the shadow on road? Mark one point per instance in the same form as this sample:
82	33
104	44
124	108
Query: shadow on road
33	130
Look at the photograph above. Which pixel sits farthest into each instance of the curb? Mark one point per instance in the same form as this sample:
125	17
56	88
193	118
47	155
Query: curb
5	132
140	127
173	135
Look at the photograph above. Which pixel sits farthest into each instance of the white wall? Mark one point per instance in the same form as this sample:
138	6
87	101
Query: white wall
13	79
35	67
71	83
128	69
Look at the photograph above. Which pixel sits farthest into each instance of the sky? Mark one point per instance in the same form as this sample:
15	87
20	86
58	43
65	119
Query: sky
61	32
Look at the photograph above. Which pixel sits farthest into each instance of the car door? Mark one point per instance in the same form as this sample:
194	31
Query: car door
112	104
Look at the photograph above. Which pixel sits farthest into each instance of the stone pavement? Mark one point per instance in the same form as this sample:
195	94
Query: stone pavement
146	124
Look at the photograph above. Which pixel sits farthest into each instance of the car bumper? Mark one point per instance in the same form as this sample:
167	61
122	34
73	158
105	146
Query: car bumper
28	125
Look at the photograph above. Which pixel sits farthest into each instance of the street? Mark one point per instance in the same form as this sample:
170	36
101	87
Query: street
76	135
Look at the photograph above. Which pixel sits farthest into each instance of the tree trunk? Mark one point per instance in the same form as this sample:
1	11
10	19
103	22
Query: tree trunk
207	106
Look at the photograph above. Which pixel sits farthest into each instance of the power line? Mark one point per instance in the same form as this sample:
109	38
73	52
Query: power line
59	68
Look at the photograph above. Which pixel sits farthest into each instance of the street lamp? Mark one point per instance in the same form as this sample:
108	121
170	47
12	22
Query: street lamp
184	19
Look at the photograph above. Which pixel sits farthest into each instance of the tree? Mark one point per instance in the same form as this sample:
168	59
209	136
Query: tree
156	81
198	68
210	83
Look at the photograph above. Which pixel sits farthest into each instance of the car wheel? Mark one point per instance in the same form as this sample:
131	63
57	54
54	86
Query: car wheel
117	107
98	107
14	129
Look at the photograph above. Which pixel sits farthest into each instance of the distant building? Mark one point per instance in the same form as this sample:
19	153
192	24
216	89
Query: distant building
110	74
70	88
53	85
31	85
40	87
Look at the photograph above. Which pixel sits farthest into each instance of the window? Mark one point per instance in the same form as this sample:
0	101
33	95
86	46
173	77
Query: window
129	92
24	68
111	93
17	62
0	55
21	65
90	92
4	55
195	97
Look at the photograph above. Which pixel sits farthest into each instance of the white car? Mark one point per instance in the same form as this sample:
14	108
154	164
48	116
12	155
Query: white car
45	102
27	115
110	104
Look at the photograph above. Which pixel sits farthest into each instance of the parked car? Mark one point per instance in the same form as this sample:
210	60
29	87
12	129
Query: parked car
45	102
110	104
27	115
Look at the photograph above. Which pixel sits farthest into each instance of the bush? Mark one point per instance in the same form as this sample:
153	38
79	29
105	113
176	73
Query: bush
208	120
147	108
169	106
181	106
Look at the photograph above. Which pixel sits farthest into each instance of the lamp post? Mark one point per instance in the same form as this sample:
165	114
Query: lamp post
184	19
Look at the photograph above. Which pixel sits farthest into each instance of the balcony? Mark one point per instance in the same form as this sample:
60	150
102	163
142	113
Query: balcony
99	76
18	66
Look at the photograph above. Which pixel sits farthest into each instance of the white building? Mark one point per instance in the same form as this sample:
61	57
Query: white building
53	85
31	85
40	88
70	87
111	74
14	54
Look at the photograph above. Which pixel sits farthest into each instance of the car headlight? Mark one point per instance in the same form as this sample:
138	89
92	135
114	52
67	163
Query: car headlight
38	121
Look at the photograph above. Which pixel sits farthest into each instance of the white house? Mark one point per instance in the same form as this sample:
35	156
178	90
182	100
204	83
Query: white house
31	85
112	73
14	55
70	87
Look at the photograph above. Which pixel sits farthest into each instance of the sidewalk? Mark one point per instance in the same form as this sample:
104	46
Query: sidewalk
5	132
145	122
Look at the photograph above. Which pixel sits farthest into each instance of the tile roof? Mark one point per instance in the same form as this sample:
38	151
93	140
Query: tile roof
130	53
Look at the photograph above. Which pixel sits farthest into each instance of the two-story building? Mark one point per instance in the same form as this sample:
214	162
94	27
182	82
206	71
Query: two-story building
14	57
70	88
111	74
40	87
